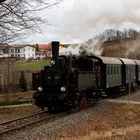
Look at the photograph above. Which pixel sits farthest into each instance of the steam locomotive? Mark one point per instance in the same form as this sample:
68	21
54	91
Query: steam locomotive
72	81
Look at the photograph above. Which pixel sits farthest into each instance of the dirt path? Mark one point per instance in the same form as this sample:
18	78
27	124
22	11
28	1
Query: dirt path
122	101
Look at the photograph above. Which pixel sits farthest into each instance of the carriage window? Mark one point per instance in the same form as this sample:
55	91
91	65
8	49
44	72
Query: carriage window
117	70
126	69
111	70
114	70
108	70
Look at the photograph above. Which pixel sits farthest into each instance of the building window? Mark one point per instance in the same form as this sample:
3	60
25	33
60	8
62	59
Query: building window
18	50
5	50
12	50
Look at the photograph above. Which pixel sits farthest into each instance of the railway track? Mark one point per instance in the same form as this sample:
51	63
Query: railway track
22	122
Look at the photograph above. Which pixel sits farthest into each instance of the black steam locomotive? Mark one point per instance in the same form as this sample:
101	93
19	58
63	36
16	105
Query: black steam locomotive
72	81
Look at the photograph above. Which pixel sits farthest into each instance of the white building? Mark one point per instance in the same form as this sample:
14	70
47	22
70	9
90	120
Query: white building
40	55
22	51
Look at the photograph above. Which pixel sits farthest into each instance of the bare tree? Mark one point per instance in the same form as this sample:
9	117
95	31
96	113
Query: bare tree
20	16
2	1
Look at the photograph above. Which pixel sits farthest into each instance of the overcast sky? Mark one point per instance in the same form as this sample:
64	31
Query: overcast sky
75	21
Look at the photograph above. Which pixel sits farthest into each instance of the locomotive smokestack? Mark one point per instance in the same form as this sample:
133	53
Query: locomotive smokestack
55	52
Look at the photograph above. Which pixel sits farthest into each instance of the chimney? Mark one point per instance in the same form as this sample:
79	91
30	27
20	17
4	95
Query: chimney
55	52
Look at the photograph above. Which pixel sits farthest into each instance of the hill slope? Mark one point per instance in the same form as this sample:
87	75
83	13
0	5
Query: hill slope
128	48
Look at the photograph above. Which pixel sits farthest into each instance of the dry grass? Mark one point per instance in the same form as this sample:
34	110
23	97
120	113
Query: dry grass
12	97
12	112
119	123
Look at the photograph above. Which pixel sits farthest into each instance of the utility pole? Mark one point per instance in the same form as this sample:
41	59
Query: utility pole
129	85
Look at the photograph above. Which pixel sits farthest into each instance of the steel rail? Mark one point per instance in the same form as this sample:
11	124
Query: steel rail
28	124
23	117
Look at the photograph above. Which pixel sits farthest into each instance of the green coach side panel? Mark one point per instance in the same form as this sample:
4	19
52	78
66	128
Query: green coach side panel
113	75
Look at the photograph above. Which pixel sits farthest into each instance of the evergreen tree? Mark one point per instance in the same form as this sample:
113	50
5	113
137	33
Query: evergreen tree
23	82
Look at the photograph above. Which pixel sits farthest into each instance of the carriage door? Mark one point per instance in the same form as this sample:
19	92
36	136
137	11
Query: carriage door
97	74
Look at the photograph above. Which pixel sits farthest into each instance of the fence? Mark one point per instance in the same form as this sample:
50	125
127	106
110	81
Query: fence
9	82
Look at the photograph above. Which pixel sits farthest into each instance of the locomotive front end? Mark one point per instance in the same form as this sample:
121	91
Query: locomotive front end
51	91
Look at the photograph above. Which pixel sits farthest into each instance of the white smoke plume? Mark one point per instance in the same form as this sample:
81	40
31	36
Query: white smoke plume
91	47
87	17
133	49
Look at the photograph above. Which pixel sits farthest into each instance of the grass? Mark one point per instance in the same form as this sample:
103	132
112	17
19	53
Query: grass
16	102
16	98
33	65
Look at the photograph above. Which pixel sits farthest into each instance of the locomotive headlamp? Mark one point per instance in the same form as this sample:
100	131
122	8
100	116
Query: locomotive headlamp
40	89
63	89
52	62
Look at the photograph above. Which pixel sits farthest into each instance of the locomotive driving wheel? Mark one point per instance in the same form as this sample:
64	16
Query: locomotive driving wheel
82	102
79	102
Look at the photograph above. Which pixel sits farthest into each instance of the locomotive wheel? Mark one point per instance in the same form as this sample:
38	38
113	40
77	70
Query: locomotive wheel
83	102
79	102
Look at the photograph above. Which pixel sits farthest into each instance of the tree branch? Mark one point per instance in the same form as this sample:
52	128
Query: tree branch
20	16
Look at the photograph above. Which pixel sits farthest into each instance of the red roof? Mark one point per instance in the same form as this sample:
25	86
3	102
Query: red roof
43	46
22	45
